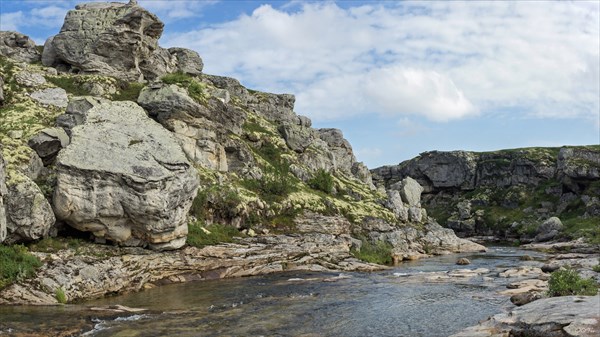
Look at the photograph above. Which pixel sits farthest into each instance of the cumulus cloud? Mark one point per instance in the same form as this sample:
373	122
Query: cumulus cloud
11	21
440	60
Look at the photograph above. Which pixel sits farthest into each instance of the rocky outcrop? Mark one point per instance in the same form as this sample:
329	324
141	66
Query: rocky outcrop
134	185
201	129
18	47
115	39
88	276
3	195
557	316
504	193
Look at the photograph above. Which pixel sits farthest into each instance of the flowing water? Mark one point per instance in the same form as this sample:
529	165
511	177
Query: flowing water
393	302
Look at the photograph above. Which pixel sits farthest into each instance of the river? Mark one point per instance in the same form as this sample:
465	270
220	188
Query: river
394	302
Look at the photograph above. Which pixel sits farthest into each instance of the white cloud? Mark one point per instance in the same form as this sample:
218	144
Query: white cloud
169	10
440	60
11	21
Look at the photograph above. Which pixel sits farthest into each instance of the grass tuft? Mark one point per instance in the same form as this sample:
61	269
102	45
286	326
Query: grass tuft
379	252
567	282
16	264
201	236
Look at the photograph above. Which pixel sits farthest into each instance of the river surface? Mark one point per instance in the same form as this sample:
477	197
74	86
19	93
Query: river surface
386	303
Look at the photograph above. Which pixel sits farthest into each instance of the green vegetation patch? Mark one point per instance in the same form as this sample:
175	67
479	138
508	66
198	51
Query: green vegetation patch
567	282
71	84
195	89
587	228
53	245
128	91
201	236
16	264
60	296
379	252
322	181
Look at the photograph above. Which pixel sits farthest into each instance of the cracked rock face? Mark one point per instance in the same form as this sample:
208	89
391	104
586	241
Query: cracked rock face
3	193
125	179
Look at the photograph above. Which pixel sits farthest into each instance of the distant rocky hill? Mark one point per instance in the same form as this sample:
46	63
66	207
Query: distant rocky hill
105	132
508	193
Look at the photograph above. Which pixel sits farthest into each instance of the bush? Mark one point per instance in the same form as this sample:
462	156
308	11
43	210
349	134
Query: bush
210	235
16	264
379	252
567	282
60	296
322	181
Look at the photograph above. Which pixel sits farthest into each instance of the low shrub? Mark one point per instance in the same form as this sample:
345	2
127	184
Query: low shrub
60	296
16	264
194	88
201	236
379	252
128	91
567	282
322	181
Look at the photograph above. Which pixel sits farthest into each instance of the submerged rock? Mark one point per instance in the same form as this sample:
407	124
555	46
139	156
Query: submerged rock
463	261
125	179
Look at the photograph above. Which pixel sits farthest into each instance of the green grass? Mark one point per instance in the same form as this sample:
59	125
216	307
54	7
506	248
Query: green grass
53	245
16	264
220	199
596	268
322	181
379	252
194	88
250	126
567	282
128	91
60	296
579	227
197	237
70	84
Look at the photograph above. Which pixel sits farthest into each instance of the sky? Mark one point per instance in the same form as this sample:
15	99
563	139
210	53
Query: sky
397	77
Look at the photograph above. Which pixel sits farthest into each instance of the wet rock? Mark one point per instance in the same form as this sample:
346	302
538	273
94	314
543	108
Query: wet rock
48	142
549	317
132	269
526	258
52	96
134	185
549	268
29	215
18	47
463	261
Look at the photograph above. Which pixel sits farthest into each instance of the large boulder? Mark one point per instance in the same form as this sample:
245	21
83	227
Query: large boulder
114	39
18	47
549	229
125	179
29	215
76	112
3	193
410	191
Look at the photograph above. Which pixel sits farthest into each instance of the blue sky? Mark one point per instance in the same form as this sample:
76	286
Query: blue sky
398	78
